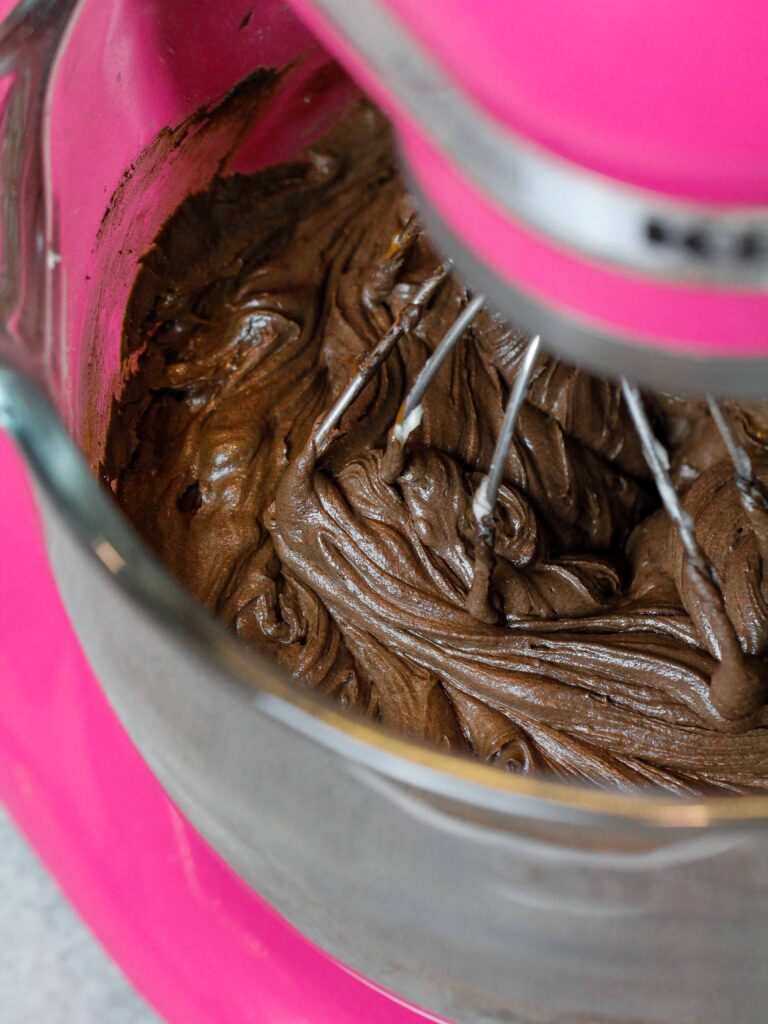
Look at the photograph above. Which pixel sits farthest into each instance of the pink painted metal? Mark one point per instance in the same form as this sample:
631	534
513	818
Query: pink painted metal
644	93
702	319
200	945
151	77
197	942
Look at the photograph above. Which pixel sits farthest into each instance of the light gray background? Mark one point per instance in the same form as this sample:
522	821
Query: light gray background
51	970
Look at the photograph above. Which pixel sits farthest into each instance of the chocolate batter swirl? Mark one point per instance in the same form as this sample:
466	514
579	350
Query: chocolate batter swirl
250	314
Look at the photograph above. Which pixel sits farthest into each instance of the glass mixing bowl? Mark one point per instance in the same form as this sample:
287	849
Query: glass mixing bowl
481	895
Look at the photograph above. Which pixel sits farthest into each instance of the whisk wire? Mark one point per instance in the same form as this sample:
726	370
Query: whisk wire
487	494
406	321
410	415
411	411
738	683
658	462
753	494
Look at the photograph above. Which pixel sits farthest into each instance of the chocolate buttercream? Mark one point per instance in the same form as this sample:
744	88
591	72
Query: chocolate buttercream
250	314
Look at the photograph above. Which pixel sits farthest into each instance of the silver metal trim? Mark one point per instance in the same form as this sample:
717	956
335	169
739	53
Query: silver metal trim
91	515
641	230
590	346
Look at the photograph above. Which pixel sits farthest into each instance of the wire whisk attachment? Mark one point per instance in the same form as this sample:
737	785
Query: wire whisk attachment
739	683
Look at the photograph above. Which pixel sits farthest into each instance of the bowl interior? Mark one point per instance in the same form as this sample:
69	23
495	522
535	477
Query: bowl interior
135	130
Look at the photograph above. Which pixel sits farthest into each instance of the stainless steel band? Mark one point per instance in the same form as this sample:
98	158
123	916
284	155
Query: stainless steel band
670	369
647	232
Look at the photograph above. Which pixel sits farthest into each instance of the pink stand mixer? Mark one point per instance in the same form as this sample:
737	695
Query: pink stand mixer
598	174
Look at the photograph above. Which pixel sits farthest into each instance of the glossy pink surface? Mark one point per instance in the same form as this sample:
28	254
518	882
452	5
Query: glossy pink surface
126	73
669	94
582	79
201	946
700	320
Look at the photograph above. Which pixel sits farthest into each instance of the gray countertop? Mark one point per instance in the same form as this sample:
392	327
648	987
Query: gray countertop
51	970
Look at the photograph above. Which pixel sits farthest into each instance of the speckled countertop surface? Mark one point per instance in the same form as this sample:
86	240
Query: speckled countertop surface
51	970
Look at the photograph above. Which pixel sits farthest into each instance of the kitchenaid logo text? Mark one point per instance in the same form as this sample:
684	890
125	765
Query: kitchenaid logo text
716	242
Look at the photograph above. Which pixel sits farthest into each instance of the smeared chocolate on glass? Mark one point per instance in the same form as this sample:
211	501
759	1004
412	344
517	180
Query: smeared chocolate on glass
249	316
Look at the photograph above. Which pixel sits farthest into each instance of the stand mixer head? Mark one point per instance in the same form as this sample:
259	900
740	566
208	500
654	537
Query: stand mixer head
649	264
596	172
